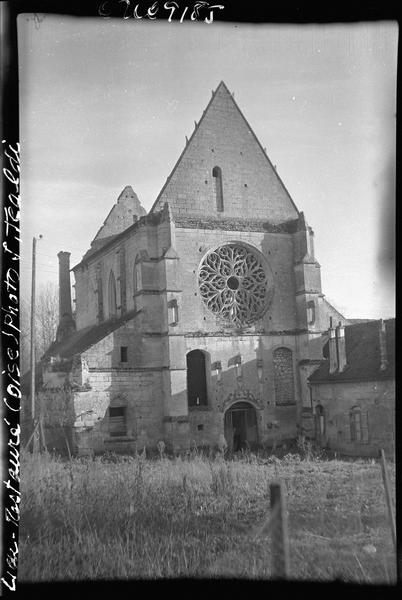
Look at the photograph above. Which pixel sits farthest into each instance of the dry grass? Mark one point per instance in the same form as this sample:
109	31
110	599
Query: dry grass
194	517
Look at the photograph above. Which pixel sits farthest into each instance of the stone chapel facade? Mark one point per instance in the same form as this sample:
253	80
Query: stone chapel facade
199	323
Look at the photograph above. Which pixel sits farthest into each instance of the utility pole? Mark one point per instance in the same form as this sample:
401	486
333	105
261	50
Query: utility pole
35	437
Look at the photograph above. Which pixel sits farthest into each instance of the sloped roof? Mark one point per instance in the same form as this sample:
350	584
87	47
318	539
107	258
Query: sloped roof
82	339
79	342
98	244
355	321
363	357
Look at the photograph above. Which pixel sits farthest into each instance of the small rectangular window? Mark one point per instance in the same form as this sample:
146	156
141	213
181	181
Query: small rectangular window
200	427
117	421
310	312
117	411
173	312
123	354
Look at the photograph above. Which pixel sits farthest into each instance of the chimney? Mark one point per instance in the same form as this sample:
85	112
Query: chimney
341	346
383	345
64	285
333	355
66	321
311	242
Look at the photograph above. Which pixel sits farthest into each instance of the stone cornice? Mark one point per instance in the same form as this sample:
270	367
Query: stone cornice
194	221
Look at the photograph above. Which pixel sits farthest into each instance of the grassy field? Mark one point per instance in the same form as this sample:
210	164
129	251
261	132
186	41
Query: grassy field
196	517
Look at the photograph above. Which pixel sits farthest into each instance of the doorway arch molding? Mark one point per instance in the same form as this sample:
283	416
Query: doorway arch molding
240	424
241	396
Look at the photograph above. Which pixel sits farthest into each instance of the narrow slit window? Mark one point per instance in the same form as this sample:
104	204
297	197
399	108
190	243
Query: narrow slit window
217	175
136	282
112	295
123	354
320	419
123	290
137	277
100	297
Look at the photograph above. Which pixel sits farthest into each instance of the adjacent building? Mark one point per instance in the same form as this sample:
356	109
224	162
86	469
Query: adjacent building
353	390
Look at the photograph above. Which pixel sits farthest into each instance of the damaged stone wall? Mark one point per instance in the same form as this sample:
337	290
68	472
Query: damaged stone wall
139	392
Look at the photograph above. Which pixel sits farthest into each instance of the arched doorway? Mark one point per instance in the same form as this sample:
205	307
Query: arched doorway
241	426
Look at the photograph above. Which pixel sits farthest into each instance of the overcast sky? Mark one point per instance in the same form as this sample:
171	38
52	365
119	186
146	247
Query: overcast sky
108	103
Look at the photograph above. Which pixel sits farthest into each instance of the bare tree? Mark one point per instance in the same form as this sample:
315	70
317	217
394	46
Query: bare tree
46	321
47	317
25	336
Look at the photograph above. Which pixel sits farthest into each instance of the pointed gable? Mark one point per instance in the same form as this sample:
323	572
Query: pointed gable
121	215
224	171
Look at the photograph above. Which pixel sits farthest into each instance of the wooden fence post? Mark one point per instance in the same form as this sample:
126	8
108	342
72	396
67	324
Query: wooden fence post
279	532
31	437
42	432
36	438
385	478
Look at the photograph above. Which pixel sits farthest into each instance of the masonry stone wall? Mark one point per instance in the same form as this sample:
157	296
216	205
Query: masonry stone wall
198	328
192	246
151	240
143	351
122	214
274	423
284	376
156	345
136	383
376	398
251	186
139	392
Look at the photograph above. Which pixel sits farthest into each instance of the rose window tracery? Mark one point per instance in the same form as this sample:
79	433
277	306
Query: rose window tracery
233	284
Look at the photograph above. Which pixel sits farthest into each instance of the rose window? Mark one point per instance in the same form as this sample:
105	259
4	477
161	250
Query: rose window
233	284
